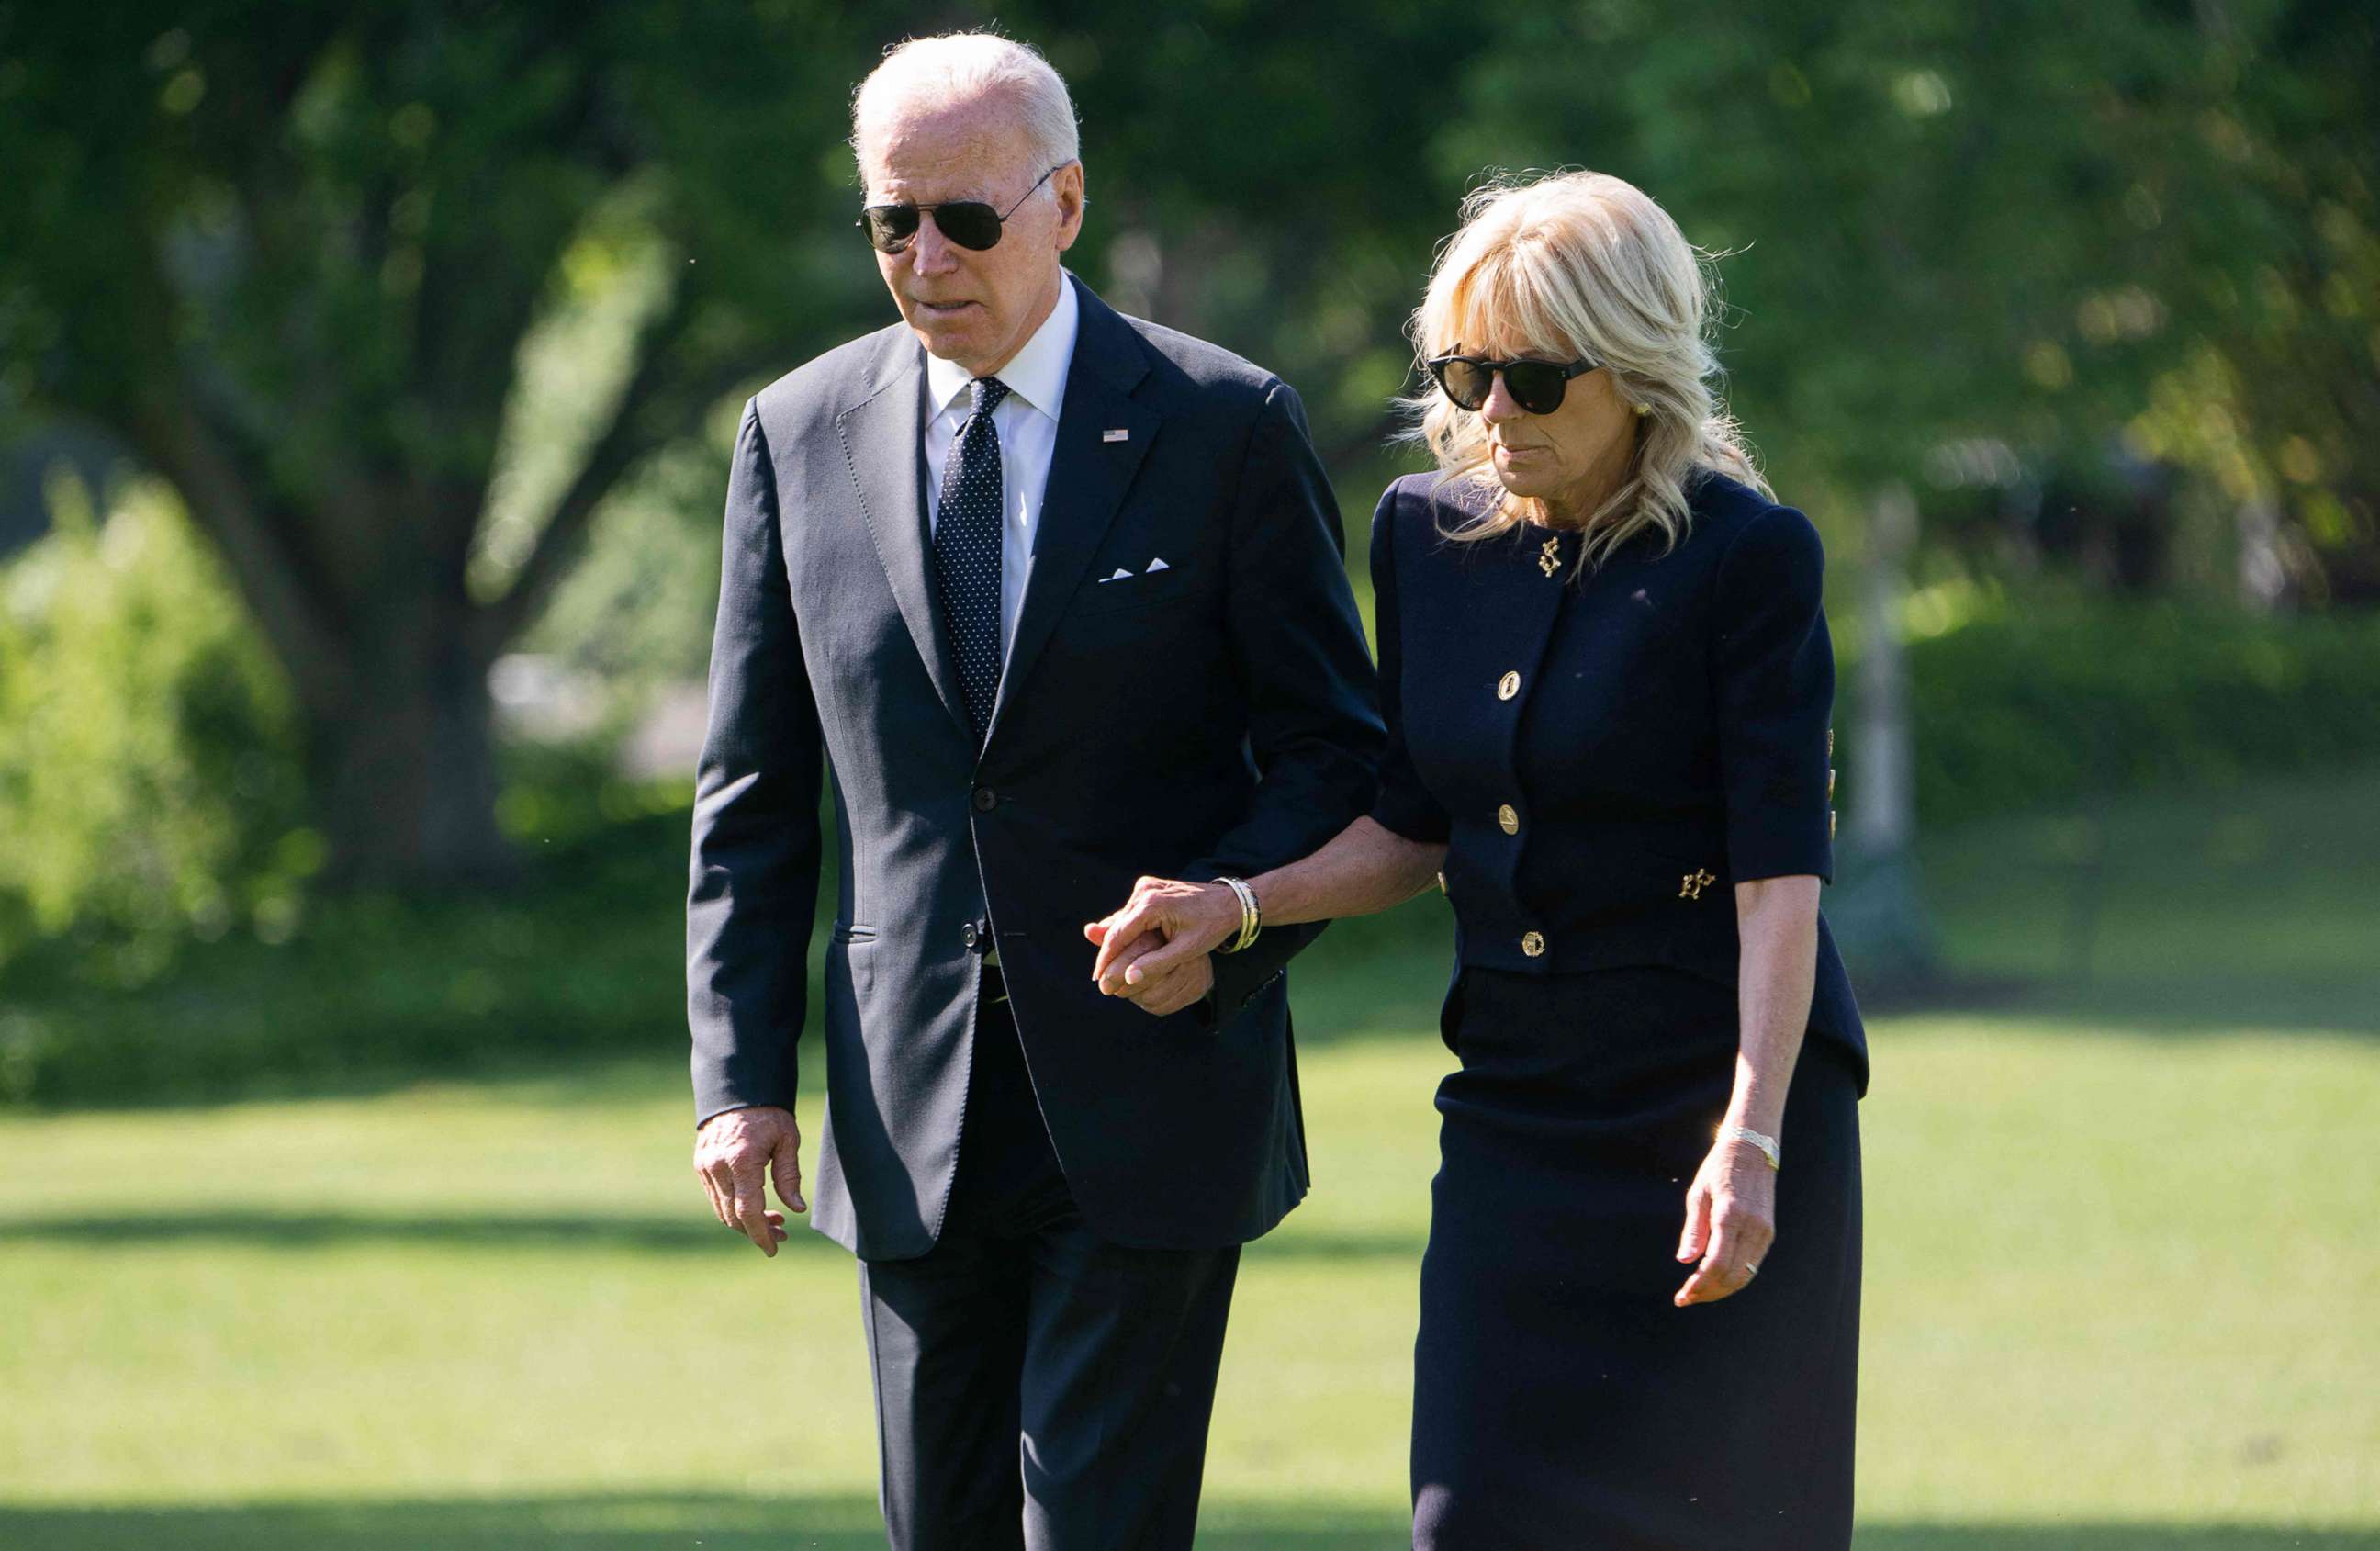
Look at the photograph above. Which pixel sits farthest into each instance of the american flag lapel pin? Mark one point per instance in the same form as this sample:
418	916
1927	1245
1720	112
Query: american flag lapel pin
1119	435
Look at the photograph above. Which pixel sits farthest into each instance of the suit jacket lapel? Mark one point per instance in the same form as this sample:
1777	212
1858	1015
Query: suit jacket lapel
883	445
1089	476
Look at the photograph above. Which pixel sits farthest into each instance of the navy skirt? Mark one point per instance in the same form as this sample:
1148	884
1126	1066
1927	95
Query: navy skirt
1560	1401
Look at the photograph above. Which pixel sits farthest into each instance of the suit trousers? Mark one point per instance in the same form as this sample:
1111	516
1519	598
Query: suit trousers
1036	1387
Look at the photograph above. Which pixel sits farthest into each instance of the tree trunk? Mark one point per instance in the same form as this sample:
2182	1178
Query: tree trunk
1884	822
2264	569
401	756
398	721
1880	916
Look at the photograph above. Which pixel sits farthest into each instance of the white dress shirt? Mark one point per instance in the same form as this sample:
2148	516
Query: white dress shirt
1027	421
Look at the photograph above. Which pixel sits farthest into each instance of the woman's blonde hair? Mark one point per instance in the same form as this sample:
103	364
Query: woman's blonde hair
1582	264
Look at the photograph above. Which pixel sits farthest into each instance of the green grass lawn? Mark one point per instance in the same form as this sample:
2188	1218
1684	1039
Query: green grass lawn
2119	1285
2121	1261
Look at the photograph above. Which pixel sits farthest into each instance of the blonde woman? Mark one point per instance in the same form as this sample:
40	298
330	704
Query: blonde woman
1608	683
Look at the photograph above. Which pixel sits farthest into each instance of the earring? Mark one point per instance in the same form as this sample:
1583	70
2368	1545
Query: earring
1643	410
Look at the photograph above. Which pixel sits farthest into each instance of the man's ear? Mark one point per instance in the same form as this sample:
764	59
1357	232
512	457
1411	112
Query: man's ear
1072	200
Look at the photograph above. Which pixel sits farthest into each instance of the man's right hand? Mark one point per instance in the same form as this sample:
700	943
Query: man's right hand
732	1153
1165	924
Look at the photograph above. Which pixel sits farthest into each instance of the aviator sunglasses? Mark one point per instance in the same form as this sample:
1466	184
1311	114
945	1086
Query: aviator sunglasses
969	222
1536	386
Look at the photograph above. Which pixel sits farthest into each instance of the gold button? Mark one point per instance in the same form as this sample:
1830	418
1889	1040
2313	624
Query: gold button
1830	824
1509	816
1508	686
1830	783
1831	743
1532	944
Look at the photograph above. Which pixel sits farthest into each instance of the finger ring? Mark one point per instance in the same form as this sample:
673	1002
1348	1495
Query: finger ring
1750	1272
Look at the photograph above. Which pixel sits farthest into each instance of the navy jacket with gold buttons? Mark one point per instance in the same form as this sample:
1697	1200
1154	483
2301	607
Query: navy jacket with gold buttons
1606	755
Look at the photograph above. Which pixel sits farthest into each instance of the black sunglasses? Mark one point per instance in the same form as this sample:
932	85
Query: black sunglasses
1536	386
969	222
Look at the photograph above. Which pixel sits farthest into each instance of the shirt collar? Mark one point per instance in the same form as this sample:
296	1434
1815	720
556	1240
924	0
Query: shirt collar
1036	374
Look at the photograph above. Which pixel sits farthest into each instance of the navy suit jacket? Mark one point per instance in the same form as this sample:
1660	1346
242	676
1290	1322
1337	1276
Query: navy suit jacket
1217	715
1606	757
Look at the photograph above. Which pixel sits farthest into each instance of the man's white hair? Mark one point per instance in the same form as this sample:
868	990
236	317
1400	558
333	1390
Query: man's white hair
956	66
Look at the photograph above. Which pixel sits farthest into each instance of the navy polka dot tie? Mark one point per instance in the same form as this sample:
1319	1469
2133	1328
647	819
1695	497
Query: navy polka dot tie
966	552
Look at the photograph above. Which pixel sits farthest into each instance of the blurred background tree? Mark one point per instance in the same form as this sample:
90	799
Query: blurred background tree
147	778
433	315
300	261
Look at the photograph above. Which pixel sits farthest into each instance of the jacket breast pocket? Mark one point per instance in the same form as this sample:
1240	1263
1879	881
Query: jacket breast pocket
1120	594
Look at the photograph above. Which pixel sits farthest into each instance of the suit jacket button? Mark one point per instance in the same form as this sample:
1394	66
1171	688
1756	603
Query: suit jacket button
1533	944
1508	818
986	799
1508	686
967	934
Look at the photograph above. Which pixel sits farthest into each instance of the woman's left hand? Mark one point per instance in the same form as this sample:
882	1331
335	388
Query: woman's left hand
1730	1222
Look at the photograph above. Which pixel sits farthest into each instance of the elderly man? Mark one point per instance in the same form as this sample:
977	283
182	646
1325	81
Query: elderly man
1059	596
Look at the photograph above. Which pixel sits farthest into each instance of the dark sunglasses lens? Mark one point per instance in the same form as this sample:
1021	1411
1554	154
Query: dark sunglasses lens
1536	386
890	227
1466	382
969	225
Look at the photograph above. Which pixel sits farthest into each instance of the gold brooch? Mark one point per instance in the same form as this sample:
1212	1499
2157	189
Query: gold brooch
1695	882
1549	558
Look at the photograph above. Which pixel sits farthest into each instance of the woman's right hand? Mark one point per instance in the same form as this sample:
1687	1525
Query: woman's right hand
1164	924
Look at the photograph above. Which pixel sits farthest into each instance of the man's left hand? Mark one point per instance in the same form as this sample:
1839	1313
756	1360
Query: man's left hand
1158	991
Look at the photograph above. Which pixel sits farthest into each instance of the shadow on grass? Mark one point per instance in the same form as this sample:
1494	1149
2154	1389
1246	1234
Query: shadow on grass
597	1524
2086	1537
696	1234
847	1524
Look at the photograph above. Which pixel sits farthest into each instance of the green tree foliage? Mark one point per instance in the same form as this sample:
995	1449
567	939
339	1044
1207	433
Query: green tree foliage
291	255
2063	229
308	261
2258	200
2141	228
148	783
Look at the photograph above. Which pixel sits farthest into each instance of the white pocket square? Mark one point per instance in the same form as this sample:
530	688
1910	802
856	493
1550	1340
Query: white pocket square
1121	575
1155	566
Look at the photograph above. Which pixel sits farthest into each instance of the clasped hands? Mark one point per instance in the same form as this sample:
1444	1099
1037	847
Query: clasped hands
1157	953
1154	952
